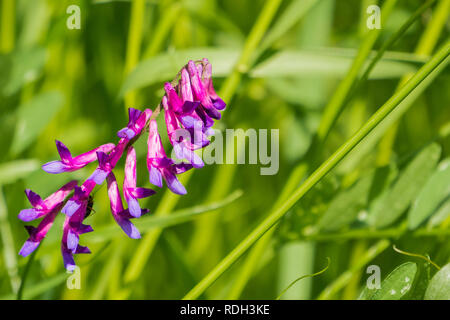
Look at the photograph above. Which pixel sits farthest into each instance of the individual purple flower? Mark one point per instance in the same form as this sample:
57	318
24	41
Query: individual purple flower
201	93
218	103
199	114
72	229
80	197
48	208
160	166
37	234
43	207
183	140
136	122
69	163
121	215
130	191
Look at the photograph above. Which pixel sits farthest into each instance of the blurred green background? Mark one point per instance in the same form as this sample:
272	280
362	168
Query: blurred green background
278	64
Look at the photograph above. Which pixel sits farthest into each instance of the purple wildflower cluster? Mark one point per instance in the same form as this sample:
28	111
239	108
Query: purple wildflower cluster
190	107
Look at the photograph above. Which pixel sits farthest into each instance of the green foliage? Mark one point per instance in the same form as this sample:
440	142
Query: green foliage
396	285
409	183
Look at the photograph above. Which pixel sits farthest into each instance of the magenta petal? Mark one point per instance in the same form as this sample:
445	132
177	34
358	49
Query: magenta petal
126	133
133	114
190	106
70	208
82	249
34	198
129	228
85	229
219	104
134	207
28	247
98	176
155	177
69	263
130	169
29	214
55	167
173	184
182	167
63	151
140	193
102	158
72	241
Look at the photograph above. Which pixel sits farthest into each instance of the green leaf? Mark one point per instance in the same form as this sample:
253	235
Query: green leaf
439	286
396	285
33	117
441	214
389	207
421	282
436	189
17	169
344	208
328	62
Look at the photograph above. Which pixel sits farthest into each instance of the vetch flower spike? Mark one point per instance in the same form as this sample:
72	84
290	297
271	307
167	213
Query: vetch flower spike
190	105
67	163
130	192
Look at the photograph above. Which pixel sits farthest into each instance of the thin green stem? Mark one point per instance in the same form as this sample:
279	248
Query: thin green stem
303	277
364	234
439	58
26	271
